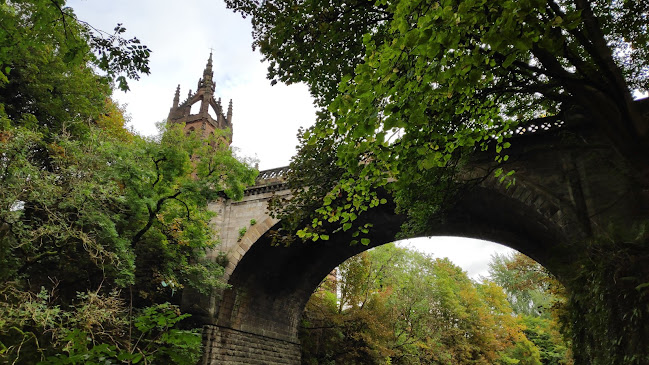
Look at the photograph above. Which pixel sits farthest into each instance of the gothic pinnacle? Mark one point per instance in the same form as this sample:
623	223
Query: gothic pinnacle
177	96
209	61
208	74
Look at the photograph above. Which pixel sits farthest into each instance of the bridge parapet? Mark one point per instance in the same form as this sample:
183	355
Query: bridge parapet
278	173
269	181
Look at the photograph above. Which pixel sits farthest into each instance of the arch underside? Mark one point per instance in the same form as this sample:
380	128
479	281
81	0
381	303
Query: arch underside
271	285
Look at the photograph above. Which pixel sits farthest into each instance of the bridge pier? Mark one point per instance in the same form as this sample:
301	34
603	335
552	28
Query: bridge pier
226	346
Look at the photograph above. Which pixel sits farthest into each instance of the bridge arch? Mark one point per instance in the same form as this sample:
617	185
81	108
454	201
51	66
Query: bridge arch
245	242
271	285
558	195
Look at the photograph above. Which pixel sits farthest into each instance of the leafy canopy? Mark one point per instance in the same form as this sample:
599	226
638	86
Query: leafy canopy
410	87
98	226
399	306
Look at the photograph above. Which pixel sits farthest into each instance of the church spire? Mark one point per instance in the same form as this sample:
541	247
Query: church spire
201	111
208	74
208	67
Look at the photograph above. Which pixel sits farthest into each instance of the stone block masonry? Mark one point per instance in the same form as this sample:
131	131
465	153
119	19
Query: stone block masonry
225	346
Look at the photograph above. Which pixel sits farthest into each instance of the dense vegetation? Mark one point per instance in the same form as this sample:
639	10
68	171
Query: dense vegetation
392	305
408	90
100	229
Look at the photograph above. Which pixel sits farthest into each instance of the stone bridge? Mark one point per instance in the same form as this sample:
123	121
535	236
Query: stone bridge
569	183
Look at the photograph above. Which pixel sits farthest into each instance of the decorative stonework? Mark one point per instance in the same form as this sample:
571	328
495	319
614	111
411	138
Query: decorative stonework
202	120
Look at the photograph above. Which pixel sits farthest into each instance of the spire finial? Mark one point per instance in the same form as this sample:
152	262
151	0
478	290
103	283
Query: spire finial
208	68
206	81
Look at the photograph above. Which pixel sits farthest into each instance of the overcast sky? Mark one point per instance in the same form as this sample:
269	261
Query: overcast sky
265	119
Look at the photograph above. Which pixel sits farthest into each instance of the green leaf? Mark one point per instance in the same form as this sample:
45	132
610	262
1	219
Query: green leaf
509	60
642	286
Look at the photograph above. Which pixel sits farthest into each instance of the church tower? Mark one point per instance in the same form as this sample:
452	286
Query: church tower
200	112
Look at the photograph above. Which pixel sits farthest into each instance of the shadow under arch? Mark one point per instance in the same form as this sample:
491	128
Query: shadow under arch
271	285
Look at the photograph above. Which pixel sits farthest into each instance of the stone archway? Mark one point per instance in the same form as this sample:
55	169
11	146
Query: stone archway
569	182
252	235
271	285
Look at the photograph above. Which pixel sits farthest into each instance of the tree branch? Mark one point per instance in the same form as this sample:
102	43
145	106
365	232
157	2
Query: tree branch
186	207
157	170
152	215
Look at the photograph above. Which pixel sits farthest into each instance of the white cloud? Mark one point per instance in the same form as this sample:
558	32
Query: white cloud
471	255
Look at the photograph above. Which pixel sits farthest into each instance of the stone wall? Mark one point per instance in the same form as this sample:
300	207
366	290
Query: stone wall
232	216
224	346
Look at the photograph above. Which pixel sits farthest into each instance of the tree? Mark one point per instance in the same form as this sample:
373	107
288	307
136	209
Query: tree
112	214
527	283
421	84
323	35
536	296
98	227
458	67
545	334
39	35
424	84
404	307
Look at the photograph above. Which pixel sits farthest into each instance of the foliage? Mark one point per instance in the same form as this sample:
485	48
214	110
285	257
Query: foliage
528	284
608	302
111	212
114	120
40	42
118	57
433	81
106	205
312	175
323	35
96	329
403	307
41	36
463	69
242	232
538	298
545	334
87	207
452	74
